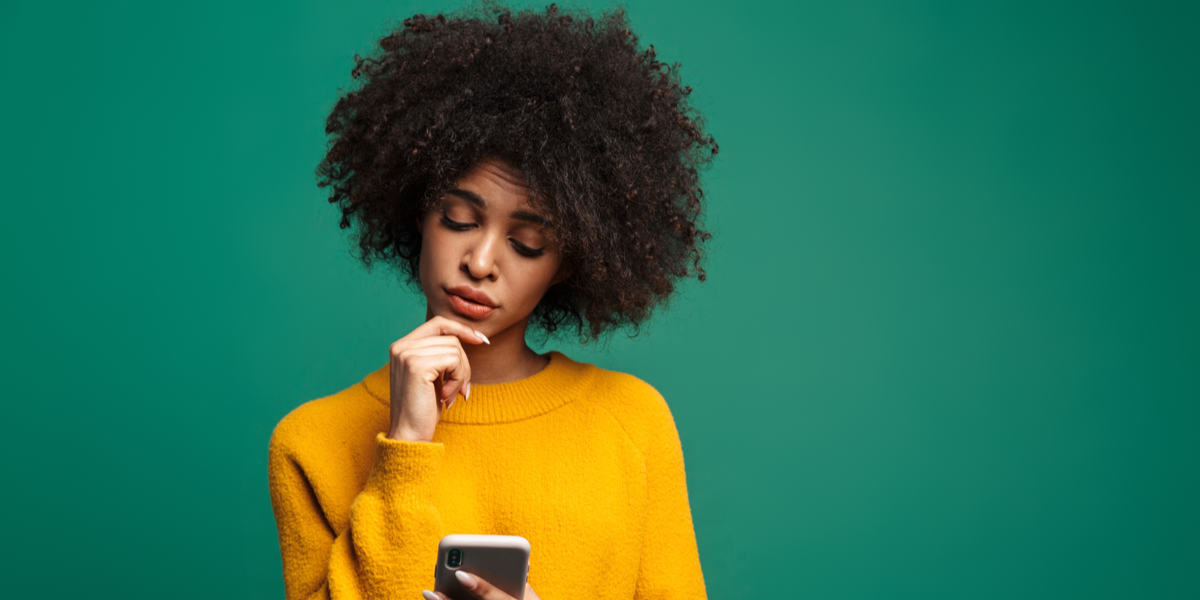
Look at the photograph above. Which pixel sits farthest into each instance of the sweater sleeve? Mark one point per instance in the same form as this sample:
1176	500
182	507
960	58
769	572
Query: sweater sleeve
388	549
670	563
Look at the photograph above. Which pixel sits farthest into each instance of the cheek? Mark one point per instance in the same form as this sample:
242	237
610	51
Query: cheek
429	255
538	281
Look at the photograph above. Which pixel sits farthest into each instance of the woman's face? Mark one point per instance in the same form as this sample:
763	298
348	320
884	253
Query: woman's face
486	256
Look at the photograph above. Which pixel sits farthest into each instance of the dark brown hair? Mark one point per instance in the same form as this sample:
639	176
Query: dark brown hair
602	132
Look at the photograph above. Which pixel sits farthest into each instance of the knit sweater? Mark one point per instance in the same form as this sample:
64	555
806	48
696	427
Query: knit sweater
583	462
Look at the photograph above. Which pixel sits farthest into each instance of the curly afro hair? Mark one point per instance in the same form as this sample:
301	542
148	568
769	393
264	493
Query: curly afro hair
603	133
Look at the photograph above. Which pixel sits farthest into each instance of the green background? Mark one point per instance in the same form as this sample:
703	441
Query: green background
949	346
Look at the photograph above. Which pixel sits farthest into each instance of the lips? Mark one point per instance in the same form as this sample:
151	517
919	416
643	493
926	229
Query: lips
470	303
474	295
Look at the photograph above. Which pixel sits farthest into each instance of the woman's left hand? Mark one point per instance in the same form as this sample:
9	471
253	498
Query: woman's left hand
481	589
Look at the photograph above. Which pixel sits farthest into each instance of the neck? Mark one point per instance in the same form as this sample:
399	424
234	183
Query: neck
508	358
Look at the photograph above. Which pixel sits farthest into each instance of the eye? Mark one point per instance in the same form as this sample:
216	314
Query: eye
455	225
526	250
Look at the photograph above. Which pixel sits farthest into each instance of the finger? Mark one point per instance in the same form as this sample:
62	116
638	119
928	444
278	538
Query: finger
455	379
530	594
480	588
400	346
440	341
452	350
440	325
459	377
447	377
449	391
442	369
435	340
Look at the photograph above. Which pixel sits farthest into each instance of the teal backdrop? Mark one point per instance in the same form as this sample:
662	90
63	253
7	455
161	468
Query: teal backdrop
949	346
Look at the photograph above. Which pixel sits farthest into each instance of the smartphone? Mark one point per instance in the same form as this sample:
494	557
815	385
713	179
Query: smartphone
501	560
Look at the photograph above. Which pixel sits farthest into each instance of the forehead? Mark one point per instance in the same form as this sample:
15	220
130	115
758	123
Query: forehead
496	187
498	183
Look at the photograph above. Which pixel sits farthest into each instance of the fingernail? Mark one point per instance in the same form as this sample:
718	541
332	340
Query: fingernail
429	595
452	402
467	396
482	337
465	579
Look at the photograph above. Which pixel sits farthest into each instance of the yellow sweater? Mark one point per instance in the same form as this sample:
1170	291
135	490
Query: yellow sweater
583	462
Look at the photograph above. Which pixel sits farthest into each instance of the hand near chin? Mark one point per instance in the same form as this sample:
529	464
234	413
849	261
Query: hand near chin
428	369
480	589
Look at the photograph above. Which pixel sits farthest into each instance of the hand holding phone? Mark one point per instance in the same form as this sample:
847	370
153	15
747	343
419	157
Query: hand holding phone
500	560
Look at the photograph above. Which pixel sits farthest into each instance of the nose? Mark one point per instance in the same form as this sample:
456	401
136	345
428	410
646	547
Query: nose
480	259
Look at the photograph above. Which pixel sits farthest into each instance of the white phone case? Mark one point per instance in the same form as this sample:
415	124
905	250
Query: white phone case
501	560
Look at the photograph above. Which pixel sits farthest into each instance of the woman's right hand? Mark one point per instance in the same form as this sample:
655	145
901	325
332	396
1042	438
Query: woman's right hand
428	368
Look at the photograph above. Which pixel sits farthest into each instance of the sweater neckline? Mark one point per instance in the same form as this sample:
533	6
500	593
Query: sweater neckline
558	383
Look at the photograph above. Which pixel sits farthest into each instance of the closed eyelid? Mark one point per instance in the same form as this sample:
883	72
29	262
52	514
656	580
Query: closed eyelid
476	201
462	226
472	217
459	213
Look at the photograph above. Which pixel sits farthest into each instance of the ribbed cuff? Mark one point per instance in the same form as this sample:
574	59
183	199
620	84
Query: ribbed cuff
405	471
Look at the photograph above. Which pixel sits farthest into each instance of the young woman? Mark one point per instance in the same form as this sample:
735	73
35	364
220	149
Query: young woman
518	169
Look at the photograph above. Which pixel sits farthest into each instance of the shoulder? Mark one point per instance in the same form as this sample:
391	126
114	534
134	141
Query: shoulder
624	391
638	406
327	425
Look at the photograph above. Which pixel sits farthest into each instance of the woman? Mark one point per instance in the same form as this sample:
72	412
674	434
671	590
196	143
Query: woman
518	168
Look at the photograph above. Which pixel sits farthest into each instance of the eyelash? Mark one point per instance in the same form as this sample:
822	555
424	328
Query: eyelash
521	248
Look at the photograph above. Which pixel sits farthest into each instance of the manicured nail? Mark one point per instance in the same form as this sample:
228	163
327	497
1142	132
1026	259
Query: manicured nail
429	595
451	403
465	579
467	396
482	337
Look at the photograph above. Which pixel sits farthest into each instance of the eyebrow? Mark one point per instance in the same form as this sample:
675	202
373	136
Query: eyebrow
521	215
